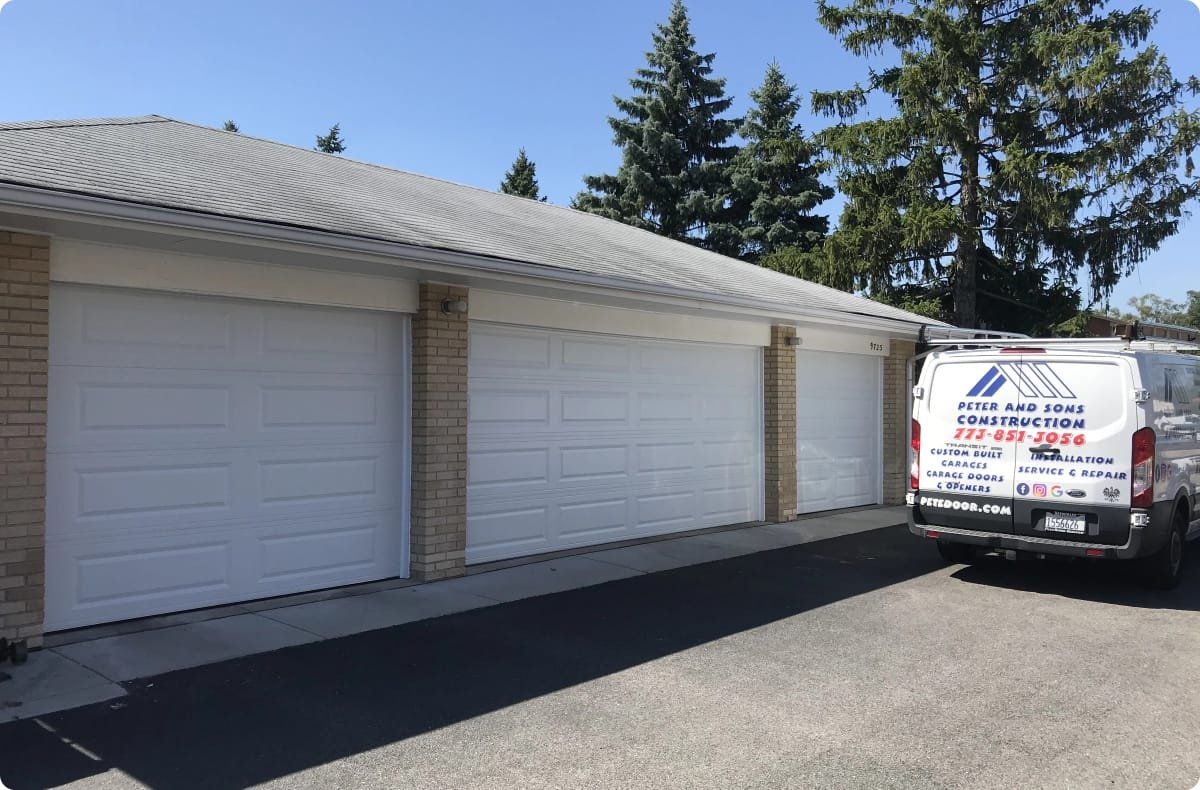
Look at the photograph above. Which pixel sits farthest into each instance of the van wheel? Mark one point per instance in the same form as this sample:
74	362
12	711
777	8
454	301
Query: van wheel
1164	569
956	553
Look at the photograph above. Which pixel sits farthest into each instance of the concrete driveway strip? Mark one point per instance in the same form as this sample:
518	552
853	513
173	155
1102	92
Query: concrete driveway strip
539	578
857	662
355	614
50	683
149	653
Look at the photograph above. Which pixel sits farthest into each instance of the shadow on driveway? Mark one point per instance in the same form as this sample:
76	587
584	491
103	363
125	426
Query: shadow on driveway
263	717
1099	581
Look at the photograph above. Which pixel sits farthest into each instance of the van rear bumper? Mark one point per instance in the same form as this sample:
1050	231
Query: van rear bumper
1132	548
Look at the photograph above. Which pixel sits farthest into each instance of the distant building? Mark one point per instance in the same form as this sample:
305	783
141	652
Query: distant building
1106	326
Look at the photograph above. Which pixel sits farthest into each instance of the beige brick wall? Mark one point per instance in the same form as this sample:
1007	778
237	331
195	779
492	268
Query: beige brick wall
779	425
895	422
24	314
439	436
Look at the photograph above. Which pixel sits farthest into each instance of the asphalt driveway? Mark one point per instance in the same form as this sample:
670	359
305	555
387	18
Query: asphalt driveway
853	662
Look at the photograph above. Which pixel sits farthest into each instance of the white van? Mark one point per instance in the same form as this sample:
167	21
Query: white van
1077	448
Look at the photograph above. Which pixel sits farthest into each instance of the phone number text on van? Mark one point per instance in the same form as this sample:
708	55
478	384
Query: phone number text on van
1066	438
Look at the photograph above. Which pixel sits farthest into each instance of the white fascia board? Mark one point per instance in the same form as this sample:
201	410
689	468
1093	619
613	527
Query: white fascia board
36	202
90	263
842	341
507	308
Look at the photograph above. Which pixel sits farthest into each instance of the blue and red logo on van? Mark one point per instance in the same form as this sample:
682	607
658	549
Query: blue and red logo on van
1032	380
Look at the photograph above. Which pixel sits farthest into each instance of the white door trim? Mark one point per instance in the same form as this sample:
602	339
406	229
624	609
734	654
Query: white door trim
89	263
842	340
506	308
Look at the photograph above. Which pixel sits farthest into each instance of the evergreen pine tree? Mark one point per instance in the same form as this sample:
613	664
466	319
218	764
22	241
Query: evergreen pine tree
1034	142
230	126
331	143
773	180
673	142
521	178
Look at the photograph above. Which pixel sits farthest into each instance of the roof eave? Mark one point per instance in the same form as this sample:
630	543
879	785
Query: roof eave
56	203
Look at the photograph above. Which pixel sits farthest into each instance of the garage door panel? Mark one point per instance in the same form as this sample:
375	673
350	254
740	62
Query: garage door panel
146	406
287	555
663	361
591	464
733	409
838	430
594	520
325	480
663	457
616	438
320	406
94	494
664	409
594	356
94	324
118	328
128	408
509	529
675	511
728	457
508	468
138	576
509	351
500	409
295	337
172	487
610	409
141	575
98	494
155	491
727	502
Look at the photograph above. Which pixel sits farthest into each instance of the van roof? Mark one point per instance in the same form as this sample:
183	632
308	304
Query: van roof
1105	345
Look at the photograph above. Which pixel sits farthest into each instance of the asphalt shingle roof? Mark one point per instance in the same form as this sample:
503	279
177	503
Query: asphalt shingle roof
163	162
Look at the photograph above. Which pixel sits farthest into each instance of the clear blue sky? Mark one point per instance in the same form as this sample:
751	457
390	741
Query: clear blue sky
451	89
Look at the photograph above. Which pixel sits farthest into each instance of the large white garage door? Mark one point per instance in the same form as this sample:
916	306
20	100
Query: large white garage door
578	439
839	407
205	451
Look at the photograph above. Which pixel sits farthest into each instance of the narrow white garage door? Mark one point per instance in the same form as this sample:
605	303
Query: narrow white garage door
839	408
578	439
205	451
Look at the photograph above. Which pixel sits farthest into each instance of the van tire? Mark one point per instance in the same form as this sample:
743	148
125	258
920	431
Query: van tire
1164	569
956	553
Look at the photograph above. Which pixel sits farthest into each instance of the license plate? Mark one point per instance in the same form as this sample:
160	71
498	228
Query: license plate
1075	523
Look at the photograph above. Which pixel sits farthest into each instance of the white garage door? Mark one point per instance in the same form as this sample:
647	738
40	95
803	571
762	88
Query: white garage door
578	439
205	451
839	408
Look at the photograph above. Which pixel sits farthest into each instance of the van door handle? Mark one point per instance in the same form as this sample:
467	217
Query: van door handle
1045	449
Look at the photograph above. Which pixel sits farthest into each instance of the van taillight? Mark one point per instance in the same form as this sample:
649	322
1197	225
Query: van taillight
1143	468
914	470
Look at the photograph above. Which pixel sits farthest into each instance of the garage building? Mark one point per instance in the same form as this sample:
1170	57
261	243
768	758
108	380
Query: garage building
233	369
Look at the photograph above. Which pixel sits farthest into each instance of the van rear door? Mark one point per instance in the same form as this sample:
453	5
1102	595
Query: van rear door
966	467
1075	445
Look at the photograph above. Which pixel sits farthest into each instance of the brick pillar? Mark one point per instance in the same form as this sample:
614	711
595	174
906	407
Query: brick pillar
24	320
439	436
895	422
779	425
